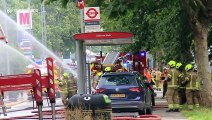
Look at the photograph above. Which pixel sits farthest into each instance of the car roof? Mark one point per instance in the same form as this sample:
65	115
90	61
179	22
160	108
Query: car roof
118	73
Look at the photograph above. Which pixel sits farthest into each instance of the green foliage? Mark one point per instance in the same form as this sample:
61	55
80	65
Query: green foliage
61	23
64	3
198	114
157	26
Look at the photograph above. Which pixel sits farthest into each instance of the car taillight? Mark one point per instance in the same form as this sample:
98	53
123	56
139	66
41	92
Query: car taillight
135	89
101	90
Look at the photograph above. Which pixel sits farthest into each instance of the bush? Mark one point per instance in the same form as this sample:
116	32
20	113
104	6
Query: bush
79	114
201	113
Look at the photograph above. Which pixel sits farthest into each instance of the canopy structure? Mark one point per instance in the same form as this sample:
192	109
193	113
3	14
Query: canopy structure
104	38
95	39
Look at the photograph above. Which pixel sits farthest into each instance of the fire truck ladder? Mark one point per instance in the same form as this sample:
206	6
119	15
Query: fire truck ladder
35	82
2	35
110	58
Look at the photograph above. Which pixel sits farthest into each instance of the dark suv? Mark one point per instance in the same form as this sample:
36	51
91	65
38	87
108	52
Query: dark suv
127	90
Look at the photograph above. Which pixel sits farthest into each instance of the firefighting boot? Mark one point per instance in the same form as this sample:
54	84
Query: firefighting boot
176	110
169	110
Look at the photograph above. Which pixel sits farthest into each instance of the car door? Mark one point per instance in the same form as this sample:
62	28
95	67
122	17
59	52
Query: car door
146	89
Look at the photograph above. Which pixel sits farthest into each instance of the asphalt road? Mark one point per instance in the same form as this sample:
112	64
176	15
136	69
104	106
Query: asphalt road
161	107
24	108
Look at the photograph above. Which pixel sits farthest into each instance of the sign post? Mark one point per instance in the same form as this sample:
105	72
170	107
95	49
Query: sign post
92	19
81	56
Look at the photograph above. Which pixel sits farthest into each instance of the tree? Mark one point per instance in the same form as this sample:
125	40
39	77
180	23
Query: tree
163	25
151	15
61	24
199	15
150	22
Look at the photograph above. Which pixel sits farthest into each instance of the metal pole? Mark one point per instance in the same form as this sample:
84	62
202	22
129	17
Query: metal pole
84	70
89	78
53	111
29	4
43	21
80	67
101	55
5	27
80	50
40	112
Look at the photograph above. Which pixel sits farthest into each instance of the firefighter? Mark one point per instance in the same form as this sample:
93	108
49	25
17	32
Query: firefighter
71	85
99	74
192	87
94	79
68	87
158	78
182	89
154	79
172	91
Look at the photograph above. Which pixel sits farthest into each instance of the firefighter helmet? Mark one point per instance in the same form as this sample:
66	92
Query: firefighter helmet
178	65
188	67
65	75
172	63
99	74
108	69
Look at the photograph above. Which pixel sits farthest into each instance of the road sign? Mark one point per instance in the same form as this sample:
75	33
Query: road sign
92	23
91	14
24	19
92	28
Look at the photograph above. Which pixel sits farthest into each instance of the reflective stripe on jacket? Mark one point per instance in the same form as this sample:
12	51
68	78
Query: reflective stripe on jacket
192	82
173	74
181	78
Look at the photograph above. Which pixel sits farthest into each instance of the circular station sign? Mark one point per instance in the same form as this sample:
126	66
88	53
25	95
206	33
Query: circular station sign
92	13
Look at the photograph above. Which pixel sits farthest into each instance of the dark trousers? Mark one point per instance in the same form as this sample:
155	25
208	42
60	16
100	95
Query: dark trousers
182	96
164	89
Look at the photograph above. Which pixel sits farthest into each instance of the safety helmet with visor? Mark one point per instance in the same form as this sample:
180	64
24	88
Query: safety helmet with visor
188	67
65	75
178	65
99	74
108	69
172	63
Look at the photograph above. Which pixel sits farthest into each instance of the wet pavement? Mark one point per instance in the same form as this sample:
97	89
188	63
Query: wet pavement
161	107
23	107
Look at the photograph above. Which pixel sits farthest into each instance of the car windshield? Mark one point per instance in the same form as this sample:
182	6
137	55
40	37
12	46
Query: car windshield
118	80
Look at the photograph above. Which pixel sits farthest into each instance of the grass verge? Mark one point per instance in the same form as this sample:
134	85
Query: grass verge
201	113
79	114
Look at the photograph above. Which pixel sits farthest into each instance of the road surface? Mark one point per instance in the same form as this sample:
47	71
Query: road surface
25	108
